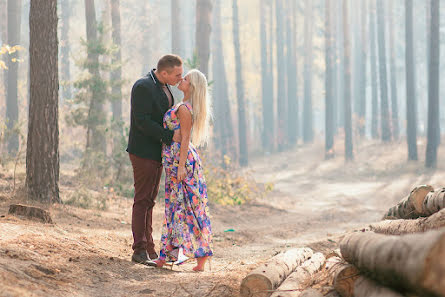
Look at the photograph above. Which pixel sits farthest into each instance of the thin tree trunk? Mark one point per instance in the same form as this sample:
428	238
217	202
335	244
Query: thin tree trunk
373	62
281	69
242	125
363	101
384	108
266	76
349	155
308	132
177	47
335	65
223	117
42	154
341	64
394	103
4	37
292	124
65	49
433	87
411	102
116	75
96	118
271	86
12	108
203	30
329	110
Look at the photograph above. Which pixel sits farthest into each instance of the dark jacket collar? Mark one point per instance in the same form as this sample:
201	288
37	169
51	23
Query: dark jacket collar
152	75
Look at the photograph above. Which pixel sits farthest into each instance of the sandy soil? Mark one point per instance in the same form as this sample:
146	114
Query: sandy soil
87	252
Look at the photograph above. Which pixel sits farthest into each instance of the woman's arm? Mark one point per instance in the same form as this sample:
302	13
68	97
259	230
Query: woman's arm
185	120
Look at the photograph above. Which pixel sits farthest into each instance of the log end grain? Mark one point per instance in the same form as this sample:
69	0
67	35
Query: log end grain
344	280
30	212
256	285
417	196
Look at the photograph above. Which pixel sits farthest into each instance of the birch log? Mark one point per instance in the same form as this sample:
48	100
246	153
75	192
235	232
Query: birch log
399	227
433	202
409	207
413	262
293	284
267	277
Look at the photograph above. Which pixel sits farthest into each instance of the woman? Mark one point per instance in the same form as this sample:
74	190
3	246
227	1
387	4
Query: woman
186	222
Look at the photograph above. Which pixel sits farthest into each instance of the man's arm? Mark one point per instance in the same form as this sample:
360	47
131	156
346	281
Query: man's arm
142	112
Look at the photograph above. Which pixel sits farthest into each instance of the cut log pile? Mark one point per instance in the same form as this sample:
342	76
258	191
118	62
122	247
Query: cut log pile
403	255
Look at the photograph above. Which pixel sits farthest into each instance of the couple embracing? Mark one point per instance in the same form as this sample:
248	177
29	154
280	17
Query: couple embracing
164	135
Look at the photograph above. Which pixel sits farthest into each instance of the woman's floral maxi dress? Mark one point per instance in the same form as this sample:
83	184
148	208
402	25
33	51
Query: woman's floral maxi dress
186	222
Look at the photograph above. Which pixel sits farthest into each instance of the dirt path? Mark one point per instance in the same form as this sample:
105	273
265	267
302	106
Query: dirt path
87	252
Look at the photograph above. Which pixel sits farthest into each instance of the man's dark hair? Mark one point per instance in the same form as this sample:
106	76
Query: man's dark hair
168	62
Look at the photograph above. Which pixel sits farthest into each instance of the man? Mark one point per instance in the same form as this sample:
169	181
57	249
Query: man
150	99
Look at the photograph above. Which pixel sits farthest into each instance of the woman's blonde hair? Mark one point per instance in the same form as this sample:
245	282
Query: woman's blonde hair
199	99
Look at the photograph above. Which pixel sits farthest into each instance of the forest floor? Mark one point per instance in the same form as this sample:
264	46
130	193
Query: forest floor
87	251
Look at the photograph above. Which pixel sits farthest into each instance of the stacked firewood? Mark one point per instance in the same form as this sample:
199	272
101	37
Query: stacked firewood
403	255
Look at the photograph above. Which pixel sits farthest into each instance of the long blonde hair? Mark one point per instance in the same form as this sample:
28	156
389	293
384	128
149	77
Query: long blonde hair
199	99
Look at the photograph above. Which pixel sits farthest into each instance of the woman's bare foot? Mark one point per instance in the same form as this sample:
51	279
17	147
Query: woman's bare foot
201	261
159	263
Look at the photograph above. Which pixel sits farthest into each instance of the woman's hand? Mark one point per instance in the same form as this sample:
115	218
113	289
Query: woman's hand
181	173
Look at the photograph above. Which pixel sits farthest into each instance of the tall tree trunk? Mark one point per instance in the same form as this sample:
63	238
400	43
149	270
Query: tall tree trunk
384	108
267	83
96	117
433	87
308	132
223	116
292	123
340	66
335	64
356	55
394	103
12	109
281	69
4	37
271	87
347	96
177	47
116	75
42	153
411	102
329	110
65	49
242	125
362	74
374	78
203	30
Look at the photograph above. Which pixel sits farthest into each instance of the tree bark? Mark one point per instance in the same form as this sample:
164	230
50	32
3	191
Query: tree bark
433	87
65	49
223	117
411	102
384	108
349	155
409	207
176	28
399	227
310	293
297	279
271	274
362	74
12	108
242	124
203	30
42	153
374	78
393	79
414	262
308	132
433	202
329	104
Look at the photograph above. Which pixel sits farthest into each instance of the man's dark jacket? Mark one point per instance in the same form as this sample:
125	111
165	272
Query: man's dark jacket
148	106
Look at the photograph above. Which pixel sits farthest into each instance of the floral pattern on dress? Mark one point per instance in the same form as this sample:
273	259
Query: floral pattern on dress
186	220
